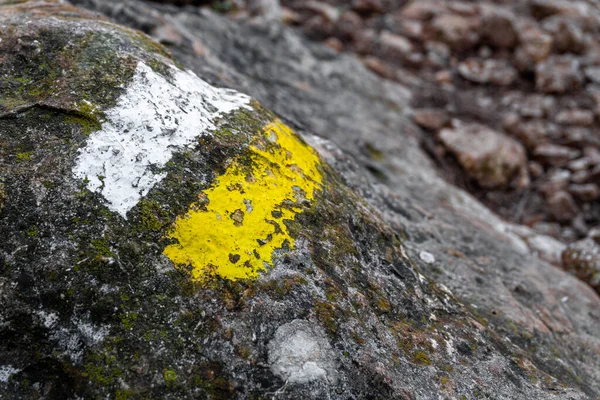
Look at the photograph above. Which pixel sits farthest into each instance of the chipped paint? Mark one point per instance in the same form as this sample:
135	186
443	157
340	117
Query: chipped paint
153	119
238	223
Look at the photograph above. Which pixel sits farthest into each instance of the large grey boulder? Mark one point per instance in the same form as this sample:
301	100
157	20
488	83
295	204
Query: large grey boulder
166	238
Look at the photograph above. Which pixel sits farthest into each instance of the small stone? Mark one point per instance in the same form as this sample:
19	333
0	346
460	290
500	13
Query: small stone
460	33
580	176
555	155
444	77
497	72
583	259
431	118
409	28
567	36
580	164
558	74
575	117
349	24
498	28
556	181
421	10
269	10
438	53
330	13
394	46
379	67
426	257
536	45
167	34
368	6
592	74
335	44
577	136
533	133
535	169
364	41
462	8
587	192
489	157
562	207
318	27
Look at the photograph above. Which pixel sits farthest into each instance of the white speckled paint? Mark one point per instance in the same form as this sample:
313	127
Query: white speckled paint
153	119
6	371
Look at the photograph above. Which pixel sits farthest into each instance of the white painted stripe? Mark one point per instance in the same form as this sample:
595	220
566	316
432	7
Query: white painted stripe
153	119
6	371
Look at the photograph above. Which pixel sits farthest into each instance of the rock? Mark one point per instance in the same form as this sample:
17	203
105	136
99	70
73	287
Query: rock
458	32
349	24
335	44
580	164
409	28
394	47
535	169
556	181
127	322
575	117
433	119
562	207
491	71
269	10
421	10
588	192
365	41
558	74
380	68
489	157
498	29
533	133
536	46
567	36
555	155
318	27
444	77
532	105
438	54
368	6
583	259
328	12
592	74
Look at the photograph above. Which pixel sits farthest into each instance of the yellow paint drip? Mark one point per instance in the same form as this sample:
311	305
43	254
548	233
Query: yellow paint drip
235	234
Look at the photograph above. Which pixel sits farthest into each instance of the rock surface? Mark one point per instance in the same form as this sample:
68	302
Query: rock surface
105	301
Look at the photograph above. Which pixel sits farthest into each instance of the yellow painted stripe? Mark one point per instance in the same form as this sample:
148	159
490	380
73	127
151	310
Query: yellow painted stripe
238	222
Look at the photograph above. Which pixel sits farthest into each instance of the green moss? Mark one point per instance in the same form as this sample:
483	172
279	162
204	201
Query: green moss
420	357
102	369
124	394
87	125
32	231
102	248
170	376
128	320
25	156
151	217
325	313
